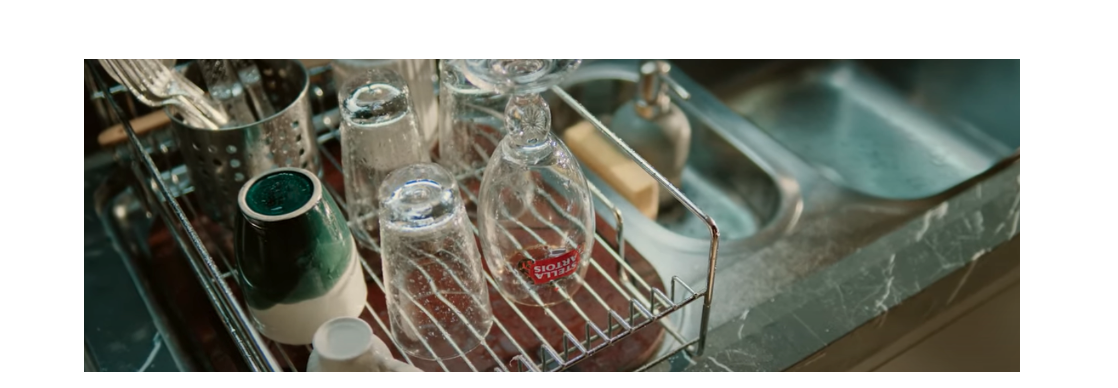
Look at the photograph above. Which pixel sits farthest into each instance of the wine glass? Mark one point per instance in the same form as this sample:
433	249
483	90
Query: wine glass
538	255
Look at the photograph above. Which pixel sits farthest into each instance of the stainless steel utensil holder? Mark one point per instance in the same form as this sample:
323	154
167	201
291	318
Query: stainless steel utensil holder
647	305
220	161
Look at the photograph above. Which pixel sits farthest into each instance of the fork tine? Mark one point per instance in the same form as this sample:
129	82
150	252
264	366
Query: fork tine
174	77
127	77
147	79
139	79
110	67
143	66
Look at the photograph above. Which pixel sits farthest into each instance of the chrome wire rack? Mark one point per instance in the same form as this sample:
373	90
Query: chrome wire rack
645	304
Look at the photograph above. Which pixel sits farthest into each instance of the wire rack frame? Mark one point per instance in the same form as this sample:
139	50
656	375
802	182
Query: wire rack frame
646	304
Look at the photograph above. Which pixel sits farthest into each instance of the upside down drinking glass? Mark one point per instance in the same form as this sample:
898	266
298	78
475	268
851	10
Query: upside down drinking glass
379	134
438	303
471	120
420	77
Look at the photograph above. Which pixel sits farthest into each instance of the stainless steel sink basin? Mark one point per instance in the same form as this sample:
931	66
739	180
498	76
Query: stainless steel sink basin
719	177
742	183
890	129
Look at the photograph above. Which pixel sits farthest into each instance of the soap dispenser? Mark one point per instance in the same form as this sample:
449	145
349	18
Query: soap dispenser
654	127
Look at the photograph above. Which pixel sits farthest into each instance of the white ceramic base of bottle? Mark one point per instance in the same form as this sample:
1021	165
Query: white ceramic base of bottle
295	324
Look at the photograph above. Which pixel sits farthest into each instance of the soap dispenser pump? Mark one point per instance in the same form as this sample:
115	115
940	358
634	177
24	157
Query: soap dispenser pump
654	127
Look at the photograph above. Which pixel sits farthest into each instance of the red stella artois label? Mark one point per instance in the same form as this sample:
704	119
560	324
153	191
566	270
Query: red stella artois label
557	266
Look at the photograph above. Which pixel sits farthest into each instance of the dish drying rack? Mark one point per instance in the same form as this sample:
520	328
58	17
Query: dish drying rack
647	305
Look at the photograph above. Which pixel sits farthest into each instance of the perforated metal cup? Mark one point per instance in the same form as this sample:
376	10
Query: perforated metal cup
221	161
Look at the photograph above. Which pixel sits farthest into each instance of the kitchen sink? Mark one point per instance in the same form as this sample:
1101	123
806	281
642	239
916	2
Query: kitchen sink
891	129
718	177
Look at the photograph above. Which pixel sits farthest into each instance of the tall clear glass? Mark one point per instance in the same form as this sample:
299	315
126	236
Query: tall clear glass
421	78
438	303
379	134
471	120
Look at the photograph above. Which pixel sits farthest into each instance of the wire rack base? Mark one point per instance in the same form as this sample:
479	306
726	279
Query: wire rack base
615	307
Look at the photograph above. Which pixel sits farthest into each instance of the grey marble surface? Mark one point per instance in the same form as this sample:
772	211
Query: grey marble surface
770	327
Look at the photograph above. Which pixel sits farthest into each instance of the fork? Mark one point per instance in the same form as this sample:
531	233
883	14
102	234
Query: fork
155	85
170	83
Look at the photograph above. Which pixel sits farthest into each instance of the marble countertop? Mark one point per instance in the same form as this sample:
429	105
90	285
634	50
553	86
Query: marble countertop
943	255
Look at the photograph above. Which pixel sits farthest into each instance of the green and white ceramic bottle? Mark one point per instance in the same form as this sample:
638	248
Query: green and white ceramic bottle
298	263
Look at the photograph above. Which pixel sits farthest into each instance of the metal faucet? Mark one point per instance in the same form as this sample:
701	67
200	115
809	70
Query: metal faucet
652	89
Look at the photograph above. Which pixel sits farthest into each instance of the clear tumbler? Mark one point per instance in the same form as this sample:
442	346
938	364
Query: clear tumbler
420	77
379	134
471	120
438	303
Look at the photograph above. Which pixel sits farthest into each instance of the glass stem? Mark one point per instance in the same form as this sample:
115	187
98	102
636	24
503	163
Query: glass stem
527	119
